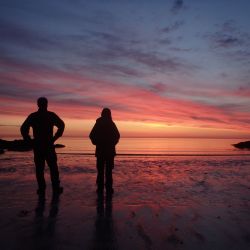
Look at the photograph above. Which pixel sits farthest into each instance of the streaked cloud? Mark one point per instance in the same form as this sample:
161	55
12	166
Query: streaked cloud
177	6
173	27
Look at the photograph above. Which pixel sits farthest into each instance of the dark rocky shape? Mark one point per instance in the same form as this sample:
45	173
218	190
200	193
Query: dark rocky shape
59	146
242	145
19	145
16	145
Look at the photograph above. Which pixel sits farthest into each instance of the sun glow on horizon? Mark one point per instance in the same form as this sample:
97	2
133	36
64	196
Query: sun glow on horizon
82	128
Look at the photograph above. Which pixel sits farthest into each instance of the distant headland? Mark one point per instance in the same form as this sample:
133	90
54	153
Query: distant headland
242	145
19	145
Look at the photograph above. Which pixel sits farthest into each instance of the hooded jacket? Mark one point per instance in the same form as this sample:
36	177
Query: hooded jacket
105	136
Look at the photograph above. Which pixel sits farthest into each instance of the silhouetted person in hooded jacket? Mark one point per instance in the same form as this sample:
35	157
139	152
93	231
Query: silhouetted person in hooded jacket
42	122
105	136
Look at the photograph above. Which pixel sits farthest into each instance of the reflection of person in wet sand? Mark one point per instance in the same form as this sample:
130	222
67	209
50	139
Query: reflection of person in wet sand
53	206
104	225
105	136
42	122
44	230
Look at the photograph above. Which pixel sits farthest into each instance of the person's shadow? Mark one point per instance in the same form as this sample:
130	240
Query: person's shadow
54	206
104	237
44	230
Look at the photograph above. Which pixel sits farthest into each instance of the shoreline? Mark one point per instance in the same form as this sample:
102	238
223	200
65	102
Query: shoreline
153	155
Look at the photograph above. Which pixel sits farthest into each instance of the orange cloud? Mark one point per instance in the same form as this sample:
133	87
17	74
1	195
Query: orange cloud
76	97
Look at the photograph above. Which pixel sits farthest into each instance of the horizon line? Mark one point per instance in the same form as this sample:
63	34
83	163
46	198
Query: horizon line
152	155
146	137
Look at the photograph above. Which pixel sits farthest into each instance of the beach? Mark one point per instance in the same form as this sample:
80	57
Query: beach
160	202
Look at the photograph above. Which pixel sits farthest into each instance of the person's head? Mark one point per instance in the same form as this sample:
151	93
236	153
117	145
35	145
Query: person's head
106	113
42	103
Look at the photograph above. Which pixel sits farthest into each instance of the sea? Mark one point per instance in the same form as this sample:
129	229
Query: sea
158	146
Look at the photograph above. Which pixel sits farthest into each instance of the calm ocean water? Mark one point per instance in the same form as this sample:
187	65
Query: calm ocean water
158	146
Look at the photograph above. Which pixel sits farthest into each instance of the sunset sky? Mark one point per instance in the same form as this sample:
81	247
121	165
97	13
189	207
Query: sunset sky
166	68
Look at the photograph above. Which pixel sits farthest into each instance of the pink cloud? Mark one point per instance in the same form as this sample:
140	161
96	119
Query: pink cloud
77	96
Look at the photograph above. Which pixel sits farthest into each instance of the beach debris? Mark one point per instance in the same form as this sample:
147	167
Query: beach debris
23	213
199	236
242	145
174	239
133	214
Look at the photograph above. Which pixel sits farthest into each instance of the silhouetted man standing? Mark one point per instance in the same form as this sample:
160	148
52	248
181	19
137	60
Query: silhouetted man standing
42	123
105	136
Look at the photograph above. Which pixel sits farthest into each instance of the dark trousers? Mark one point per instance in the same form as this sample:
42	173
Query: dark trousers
42	155
104	165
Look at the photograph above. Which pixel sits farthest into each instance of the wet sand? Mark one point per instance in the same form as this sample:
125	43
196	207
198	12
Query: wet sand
159	203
